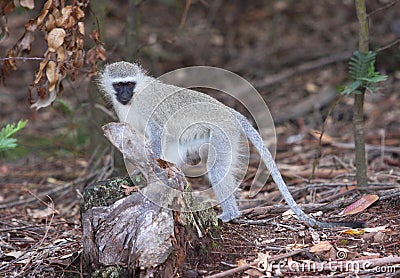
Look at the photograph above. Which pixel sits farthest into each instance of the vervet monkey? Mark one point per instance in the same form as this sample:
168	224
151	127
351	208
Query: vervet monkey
185	126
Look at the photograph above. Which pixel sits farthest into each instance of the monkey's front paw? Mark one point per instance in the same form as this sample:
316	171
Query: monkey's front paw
226	217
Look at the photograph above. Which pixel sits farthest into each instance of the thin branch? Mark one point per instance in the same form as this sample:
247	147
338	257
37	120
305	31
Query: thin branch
185	13
255	263
318	155
389	45
308	66
387	6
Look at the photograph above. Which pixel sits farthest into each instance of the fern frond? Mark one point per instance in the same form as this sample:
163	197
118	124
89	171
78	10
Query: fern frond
6	142
362	73
360	65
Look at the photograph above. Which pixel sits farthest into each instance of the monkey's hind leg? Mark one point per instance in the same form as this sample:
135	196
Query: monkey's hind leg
221	164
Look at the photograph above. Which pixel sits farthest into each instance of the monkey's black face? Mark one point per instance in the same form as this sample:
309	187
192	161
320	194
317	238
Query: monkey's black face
124	91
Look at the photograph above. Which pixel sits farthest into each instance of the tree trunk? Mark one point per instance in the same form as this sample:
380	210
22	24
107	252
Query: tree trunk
133	235
131	31
358	115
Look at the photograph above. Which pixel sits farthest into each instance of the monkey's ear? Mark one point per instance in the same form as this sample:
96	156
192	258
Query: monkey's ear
139	65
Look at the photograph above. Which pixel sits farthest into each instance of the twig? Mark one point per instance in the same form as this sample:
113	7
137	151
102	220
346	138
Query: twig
18	202
383	8
43	202
318	155
285	74
185	13
250	265
389	45
49	224
263	222
253	222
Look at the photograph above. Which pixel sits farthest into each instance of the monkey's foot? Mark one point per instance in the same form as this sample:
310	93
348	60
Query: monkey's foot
226	217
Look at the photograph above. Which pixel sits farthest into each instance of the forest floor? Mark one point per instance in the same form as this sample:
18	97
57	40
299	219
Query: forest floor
41	182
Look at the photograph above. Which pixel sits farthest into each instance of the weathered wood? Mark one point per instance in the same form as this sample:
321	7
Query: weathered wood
133	234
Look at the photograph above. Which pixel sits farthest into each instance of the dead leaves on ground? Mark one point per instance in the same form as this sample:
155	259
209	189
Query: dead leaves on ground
326	257
64	30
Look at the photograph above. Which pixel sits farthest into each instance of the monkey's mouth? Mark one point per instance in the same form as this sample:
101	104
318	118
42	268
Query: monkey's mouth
124	99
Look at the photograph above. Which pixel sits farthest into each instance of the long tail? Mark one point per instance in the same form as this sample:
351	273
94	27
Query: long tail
267	158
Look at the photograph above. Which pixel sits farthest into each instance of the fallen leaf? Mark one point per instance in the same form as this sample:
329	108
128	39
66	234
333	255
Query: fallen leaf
324	249
40	213
326	139
353	232
14	254
252	272
360	205
321	246
376	229
379	237
241	263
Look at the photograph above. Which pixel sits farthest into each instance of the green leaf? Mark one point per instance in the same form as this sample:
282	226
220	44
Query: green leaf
6	142
378	78
363	74
351	88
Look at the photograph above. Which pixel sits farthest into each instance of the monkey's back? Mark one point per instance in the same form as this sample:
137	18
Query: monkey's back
179	110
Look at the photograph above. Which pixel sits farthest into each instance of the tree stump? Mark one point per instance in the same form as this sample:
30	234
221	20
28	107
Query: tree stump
127	234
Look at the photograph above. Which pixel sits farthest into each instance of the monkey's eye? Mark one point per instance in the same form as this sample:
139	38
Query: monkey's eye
130	84
118	85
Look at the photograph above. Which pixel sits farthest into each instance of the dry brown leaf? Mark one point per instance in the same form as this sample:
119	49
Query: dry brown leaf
321	246
41	213
44	99
101	52
55	38
324	249
50	23
326	139
66	20
51	74
241	262
252	272
7	7
81	28
44	12
78	13
360	205
39	73
29	4
61	54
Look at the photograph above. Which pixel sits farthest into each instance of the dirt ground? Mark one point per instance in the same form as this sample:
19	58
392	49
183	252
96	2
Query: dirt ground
292	52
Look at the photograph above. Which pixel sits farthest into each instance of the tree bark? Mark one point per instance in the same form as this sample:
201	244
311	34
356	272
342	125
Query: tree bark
132	235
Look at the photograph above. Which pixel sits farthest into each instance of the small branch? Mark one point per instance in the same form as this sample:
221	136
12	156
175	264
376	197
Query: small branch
387	6
285	74
185	13
389	45
253	264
